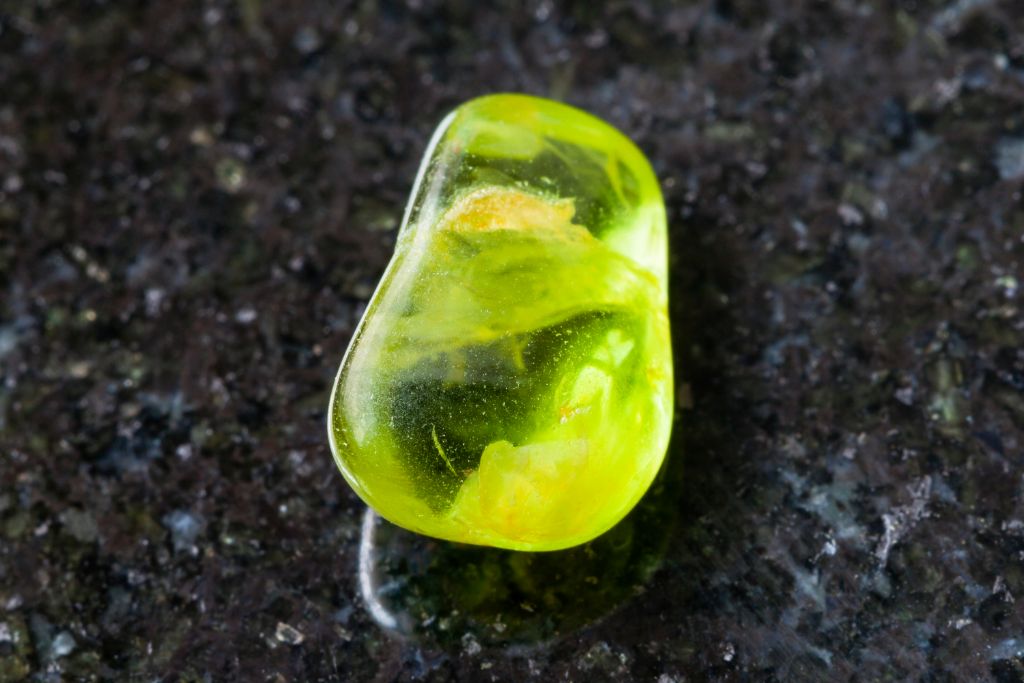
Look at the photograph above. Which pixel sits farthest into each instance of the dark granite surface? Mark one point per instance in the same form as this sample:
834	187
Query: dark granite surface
196	200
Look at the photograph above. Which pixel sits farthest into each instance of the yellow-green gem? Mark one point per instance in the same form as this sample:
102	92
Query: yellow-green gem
511	381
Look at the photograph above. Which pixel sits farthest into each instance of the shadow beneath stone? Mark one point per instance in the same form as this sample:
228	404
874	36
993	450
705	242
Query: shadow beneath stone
722	503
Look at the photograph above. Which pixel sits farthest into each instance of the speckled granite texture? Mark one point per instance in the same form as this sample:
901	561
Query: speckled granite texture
196	201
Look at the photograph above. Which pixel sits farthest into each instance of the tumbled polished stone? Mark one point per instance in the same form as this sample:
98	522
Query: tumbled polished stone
510	383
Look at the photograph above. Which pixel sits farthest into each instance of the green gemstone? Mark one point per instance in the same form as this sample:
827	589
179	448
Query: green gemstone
511	381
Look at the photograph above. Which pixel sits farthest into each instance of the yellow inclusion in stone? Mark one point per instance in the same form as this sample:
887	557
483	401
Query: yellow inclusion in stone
510	383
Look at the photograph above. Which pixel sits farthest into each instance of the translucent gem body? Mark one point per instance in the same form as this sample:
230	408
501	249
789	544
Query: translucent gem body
510	383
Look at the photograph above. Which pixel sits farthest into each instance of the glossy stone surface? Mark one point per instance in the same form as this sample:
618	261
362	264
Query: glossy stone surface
511	381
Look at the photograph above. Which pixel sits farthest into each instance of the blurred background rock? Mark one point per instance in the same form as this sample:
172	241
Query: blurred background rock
196	201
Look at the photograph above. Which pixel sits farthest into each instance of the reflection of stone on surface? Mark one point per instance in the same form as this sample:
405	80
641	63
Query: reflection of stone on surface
367	572
442	592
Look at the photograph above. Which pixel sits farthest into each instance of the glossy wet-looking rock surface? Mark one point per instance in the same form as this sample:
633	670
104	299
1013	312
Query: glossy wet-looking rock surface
196	207
510	383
